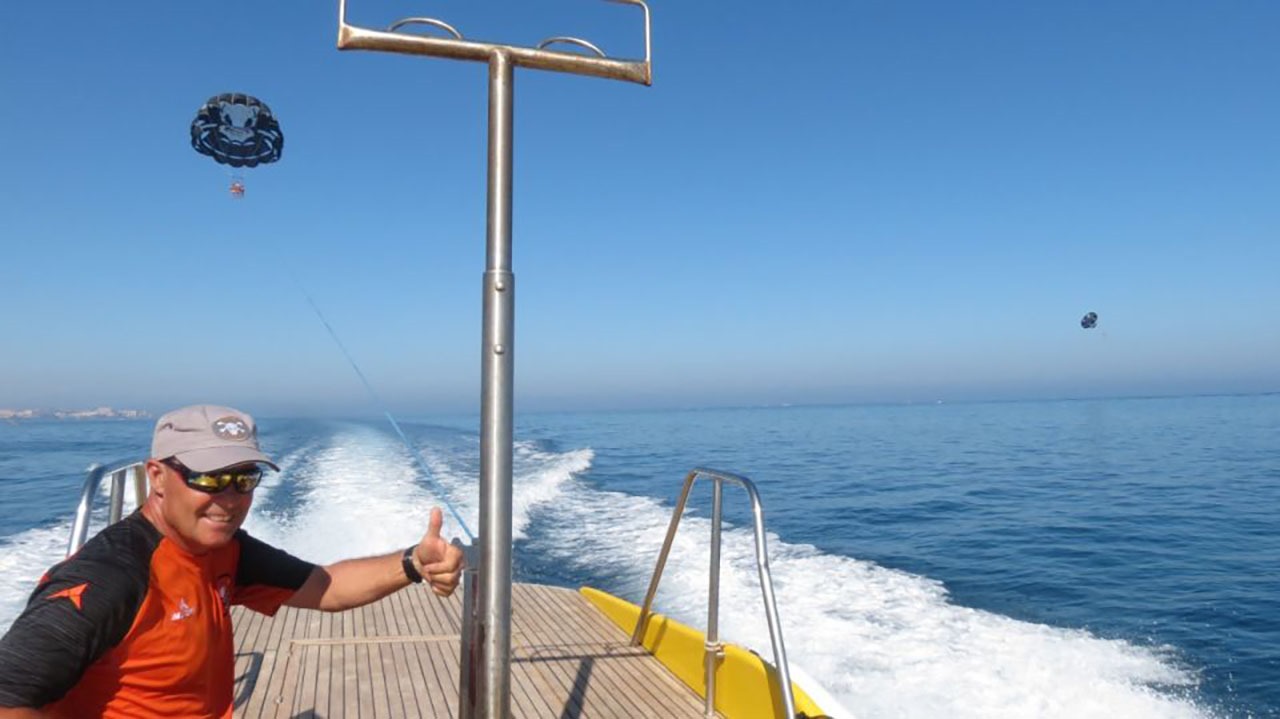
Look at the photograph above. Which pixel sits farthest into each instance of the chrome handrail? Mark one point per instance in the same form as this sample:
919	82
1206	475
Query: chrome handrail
714	647
93	480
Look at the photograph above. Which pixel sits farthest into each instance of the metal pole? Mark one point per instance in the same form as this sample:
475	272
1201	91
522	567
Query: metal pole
497	358
491	636
140	487
115	505
80	527
642	622
714	649
469	646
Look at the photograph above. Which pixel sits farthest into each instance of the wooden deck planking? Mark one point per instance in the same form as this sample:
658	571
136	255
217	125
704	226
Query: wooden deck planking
311	660
349	688
609	668
398	658
246	661
556	651
415	664
538	652
396	666
258	671
323	659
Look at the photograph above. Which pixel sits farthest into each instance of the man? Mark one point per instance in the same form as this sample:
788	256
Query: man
137	623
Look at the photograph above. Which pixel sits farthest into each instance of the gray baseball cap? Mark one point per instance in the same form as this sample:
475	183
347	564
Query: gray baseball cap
206	437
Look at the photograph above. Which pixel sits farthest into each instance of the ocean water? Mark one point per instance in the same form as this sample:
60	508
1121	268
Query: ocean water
1100	558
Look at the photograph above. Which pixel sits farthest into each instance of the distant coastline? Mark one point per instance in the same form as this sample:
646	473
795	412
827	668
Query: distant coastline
96	413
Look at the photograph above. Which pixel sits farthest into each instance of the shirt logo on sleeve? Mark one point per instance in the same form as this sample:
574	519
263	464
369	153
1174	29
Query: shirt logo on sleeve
72	593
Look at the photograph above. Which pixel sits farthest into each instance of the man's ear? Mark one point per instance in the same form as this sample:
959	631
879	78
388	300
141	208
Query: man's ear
155	477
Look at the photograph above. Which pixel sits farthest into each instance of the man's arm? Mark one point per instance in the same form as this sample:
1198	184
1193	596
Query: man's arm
20	713
356	582
79	611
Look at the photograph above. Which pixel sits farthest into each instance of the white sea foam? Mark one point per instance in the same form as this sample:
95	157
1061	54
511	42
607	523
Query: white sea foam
23	558
540	479
364	488
358	496
272	480
884	643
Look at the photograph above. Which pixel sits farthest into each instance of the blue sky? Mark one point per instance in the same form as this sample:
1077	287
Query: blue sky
816	202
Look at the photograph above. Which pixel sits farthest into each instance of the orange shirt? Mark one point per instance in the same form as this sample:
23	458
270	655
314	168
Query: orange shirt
133	626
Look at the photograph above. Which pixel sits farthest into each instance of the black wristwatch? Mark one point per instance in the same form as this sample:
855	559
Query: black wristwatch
410	571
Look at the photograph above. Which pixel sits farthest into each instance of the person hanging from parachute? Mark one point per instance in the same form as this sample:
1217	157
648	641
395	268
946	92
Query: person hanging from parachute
237	130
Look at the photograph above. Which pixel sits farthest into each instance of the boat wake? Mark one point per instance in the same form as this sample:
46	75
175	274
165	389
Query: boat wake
884	641
23	558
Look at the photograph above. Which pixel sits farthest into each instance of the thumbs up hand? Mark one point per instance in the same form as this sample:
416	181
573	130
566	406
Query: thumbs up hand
439	562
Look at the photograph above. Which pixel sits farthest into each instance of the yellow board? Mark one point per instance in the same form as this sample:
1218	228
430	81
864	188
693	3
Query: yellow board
746	685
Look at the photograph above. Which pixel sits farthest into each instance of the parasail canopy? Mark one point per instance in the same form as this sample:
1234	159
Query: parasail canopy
237	130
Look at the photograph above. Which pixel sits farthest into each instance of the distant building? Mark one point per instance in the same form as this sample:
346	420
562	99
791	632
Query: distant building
97	413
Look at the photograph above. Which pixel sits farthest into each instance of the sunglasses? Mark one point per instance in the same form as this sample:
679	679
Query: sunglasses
244	479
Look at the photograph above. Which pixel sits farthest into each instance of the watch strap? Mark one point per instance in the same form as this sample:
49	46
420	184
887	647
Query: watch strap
410	571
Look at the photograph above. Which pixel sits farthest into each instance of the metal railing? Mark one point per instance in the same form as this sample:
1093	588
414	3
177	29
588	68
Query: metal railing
118	472
714	647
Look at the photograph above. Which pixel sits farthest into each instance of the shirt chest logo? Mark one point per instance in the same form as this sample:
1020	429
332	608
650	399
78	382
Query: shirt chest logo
183	611
224	593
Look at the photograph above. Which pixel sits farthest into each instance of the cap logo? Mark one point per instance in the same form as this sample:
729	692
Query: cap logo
231	428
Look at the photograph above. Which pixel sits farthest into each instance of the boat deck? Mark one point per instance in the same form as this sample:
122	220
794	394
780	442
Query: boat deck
399	658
